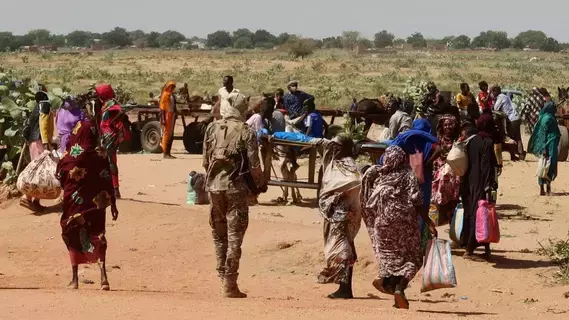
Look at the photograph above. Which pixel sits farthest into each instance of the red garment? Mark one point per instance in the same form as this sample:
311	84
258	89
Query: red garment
85	176
113	127
485	105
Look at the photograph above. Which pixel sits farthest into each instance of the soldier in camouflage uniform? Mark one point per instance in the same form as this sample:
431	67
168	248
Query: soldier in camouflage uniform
231	156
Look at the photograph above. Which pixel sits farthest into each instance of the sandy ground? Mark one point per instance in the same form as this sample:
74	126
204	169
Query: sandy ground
161	259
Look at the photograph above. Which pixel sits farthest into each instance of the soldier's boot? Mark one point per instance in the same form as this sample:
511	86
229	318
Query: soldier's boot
230	288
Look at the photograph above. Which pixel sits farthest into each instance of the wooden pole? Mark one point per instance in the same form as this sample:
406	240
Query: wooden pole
21	160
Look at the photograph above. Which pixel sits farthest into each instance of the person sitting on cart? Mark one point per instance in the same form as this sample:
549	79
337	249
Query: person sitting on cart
295	99
314	122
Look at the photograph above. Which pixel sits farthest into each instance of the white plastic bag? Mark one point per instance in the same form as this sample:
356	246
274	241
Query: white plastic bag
543	165
38	178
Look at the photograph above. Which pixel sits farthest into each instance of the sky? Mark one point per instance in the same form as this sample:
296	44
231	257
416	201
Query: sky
308	18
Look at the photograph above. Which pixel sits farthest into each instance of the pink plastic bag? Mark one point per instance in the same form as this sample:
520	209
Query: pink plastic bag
416	163
487	227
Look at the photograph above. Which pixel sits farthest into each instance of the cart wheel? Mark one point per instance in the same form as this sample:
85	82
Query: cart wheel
193	137
150	137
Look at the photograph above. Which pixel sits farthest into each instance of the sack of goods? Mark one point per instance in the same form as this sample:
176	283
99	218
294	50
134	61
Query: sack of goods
38	178
457	159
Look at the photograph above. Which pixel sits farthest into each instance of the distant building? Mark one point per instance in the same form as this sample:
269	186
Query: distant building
198	44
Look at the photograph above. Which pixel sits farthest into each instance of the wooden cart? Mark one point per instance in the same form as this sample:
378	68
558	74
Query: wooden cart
374	150
146	130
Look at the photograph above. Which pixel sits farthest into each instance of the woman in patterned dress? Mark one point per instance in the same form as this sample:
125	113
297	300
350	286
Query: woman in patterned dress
114	128
391	203
445	183
340	209
85	175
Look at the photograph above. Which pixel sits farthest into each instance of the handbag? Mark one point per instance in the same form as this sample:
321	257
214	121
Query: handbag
416	163
487	228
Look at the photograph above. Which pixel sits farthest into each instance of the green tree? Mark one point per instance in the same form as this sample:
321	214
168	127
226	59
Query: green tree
264	39
243	43
417	40
350	39
57	40
39	37
219	39
118	37
531	38
332	42
170	39
137	35
301	48
550	45
79	38
367	43
461	42
492	39
383	39
8	42
282	38
152	40
243	33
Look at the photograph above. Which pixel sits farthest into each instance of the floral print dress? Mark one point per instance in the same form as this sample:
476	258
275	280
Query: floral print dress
87	191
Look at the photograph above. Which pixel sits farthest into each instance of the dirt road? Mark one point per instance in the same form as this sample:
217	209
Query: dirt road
161	259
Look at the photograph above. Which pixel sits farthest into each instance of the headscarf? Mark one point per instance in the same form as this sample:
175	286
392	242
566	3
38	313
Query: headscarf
238	107
486	126
166	95
384	180
105	92
394	160
416	139
546	131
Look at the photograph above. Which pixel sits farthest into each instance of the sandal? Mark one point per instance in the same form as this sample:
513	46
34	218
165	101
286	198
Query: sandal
401	301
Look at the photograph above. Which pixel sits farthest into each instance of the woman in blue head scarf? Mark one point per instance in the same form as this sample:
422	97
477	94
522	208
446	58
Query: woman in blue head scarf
419	138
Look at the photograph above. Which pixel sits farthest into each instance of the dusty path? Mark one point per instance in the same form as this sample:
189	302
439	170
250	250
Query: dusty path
162	264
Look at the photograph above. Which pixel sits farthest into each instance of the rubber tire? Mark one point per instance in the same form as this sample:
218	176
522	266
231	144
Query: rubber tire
151	137
193	138
563	144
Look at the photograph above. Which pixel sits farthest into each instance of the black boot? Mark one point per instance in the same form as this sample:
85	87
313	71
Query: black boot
345	290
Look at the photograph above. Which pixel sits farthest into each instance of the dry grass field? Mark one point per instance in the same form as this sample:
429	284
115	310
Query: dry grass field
333	76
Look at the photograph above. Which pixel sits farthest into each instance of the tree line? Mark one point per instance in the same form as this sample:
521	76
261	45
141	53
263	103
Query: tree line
247	39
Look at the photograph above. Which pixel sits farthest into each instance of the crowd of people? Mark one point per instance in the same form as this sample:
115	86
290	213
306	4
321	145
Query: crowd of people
392	197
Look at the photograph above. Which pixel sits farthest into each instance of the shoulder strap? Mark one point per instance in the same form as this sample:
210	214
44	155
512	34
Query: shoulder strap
232	135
